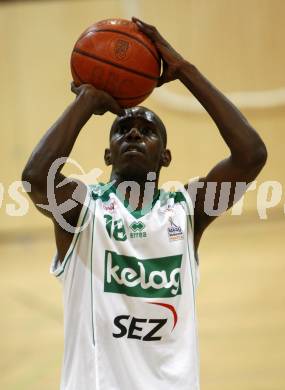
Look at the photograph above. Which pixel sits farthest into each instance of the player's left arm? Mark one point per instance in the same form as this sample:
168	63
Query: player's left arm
247	151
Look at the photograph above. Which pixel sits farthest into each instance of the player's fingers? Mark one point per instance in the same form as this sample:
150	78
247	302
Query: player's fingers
137	20
116	109
73	88
163	78
148	29
161	81
144	24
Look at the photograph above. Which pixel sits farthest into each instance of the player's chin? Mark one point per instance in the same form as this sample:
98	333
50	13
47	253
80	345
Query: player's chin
134	158
135	169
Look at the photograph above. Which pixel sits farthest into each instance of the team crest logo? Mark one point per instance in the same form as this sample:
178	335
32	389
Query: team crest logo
174	231
137	230
121	48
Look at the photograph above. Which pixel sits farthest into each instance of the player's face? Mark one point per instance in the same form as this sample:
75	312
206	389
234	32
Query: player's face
137	144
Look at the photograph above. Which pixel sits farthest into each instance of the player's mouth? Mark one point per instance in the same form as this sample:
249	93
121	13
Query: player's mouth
133	149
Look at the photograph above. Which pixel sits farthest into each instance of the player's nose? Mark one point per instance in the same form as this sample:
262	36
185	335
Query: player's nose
134	133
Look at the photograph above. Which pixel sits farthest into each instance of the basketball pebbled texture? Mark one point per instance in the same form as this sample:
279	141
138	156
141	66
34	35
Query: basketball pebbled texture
114	56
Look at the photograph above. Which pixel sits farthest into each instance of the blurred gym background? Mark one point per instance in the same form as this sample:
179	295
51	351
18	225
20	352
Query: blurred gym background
239	46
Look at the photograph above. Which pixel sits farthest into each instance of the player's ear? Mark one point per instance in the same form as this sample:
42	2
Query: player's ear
107	157
165	158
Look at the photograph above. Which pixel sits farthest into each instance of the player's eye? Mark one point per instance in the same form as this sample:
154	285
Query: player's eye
146	131
124	129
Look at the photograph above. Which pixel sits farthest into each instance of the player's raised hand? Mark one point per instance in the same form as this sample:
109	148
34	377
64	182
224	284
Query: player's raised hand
170	58
99	101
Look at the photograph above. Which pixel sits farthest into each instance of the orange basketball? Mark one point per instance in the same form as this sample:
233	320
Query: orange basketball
114	56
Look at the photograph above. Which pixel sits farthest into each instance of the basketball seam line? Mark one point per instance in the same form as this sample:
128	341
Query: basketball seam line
142	74
132	97
115	97
130	36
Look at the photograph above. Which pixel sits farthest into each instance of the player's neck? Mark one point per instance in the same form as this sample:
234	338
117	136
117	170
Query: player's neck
137	192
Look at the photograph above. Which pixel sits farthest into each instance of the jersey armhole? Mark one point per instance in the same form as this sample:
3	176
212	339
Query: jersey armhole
57	268
190	215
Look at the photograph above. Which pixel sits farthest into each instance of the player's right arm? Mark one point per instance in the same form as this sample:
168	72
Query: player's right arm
58	142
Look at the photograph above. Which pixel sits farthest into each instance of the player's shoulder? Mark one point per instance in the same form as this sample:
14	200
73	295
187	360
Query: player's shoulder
176	196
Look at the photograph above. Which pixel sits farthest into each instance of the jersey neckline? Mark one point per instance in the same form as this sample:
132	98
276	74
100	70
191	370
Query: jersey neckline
104	194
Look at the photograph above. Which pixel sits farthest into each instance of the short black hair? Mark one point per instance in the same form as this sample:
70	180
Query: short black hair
145	113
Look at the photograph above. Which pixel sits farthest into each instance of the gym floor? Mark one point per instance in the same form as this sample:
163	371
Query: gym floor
240	309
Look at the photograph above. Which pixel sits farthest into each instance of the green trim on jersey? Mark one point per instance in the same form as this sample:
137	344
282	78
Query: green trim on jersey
103	192
193	277
91	275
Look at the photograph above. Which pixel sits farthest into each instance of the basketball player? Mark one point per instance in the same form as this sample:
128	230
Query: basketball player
130	270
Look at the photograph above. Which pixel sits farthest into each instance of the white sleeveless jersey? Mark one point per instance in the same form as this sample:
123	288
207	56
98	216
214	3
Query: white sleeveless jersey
129	282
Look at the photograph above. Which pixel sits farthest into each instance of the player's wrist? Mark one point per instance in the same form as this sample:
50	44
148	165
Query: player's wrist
184	67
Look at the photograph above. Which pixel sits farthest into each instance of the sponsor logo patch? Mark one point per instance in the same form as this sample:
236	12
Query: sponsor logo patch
149	278
174	231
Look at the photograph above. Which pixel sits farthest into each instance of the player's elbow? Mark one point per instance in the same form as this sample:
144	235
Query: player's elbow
252	156
31	177
258	156
27	175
